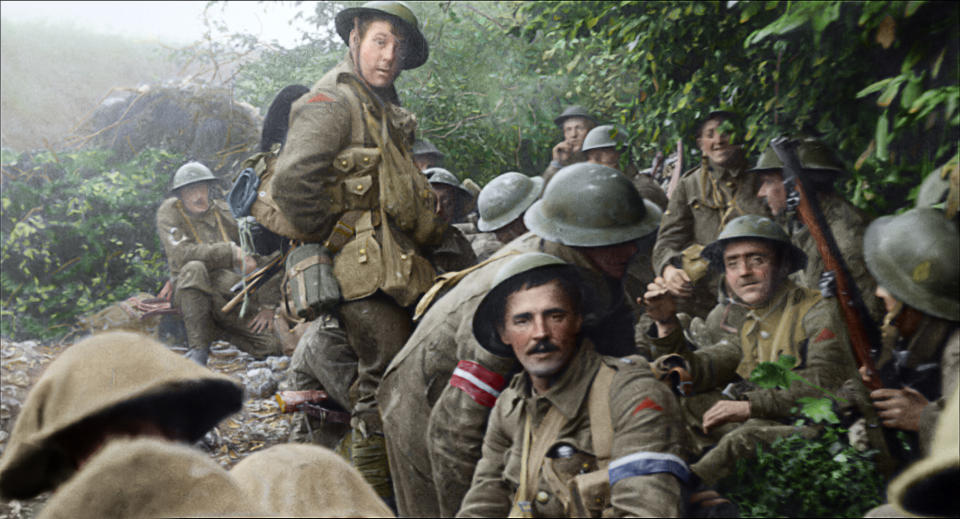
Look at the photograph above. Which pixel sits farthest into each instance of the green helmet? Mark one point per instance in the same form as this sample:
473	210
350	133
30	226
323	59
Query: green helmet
914	256
401	15
574	111
485	319
505	198
442	176
192	173
814	156
754	227
589	205
425	147
604	136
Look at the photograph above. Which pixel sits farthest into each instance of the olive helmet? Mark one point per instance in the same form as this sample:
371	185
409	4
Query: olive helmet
425	147
754	227
574	111
814	155
191	173
443	176
590	205
397	12
485	320
603	136
914	256
505	198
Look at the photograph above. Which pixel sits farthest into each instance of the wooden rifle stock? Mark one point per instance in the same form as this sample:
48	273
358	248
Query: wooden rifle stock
254	280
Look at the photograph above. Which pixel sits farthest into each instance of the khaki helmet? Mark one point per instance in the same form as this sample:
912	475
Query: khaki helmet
589	205
942	186
402	16
814	155
603	136
754	227
192	173
485	320
443	176
914	256
574	111
425	147
505	198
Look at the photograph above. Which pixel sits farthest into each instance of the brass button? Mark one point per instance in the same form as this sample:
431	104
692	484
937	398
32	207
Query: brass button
343	163
403	256
586	465
729	183
366	159
542	497
363	251
599	500
359	187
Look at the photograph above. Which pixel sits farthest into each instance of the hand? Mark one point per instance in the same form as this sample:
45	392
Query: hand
562	152
660	305
677	281
261	322
166	291
249	264
725	411
899	408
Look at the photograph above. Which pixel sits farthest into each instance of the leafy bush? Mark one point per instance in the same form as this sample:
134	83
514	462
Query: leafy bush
797	477
77	233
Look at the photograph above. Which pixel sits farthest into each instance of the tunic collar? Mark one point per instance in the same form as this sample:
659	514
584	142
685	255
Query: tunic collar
570	390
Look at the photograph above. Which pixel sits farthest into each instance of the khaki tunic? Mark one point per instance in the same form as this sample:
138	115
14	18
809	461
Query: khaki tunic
646	427
705	199
432	459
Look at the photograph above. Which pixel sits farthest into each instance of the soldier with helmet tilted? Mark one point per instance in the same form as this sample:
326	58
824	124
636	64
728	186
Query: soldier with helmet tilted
502	204
604	145
574	122
200	238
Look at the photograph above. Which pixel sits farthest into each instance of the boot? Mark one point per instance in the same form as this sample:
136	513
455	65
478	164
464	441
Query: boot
195	308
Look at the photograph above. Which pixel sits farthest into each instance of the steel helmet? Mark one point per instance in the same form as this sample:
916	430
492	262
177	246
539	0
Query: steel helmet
401	15
603	136
754	227
942	186
574	111
505	198
914	256
425	147
485	320
814	155
192	173
589	205
443	176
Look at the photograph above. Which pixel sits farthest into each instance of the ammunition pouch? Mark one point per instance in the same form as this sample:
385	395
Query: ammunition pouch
309	286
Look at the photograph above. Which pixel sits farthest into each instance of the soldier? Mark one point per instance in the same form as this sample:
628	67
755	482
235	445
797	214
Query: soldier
426	155
591	217
110	386
502	204
339	182
571	412
847	223
763	315
913	256
705	199
455	253
200	238
604	145
574	122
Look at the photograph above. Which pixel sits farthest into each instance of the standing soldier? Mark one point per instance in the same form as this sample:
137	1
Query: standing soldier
847	223
591	217
571	415
502	204
346	179
574	122
426	155
705	199
200	238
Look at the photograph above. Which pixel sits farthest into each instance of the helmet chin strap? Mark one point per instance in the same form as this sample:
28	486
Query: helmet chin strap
355	49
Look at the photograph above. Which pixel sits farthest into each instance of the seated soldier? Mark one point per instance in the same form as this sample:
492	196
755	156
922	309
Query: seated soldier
571	414
112	385
574	122
763	315
200	238
426	155
502	204
913	256
454	253
604	145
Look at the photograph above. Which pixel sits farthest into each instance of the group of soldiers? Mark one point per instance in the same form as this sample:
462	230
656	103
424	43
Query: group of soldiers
581	345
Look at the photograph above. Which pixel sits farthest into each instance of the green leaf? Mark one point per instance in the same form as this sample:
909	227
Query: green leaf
891	91
777	374
818	409
882	136
875	87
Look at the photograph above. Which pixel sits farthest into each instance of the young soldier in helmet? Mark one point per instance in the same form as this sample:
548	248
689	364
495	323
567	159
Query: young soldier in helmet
913	257
590	216
574	122
706	198
763	315
502	204
344	181
453	199
847	223
426	155
200	238
571	412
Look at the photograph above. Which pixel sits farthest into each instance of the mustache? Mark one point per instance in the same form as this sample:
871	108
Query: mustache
544	346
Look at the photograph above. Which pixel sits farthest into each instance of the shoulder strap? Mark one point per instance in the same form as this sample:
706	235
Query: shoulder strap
189	223
598	406
533	452
449	280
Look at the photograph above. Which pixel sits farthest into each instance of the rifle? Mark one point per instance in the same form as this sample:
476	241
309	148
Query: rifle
657	166
253	281
677	169
864	334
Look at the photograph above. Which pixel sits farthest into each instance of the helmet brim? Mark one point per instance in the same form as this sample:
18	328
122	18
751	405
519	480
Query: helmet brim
504	219
574	236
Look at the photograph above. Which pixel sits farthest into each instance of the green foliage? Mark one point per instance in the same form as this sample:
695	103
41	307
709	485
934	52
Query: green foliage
77	233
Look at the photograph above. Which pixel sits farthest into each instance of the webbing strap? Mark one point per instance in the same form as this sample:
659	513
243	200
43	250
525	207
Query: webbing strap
449	279
534	451
189	223
601	424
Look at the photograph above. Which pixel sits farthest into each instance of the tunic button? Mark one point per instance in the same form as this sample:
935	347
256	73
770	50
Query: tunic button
764	334
343	163
366	159
586	465
359	187
599	500
729	184
542	497
363	251
403	256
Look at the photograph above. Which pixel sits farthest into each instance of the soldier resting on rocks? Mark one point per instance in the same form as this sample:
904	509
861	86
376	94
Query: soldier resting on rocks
571	416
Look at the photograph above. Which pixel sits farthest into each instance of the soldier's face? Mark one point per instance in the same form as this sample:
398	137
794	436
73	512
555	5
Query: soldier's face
195	198
447	207
541	325
381	54
575	129
608	157
612	260
424	162
750	268
715	145
773	191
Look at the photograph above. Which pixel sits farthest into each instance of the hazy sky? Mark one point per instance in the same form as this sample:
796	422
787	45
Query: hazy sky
173	22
